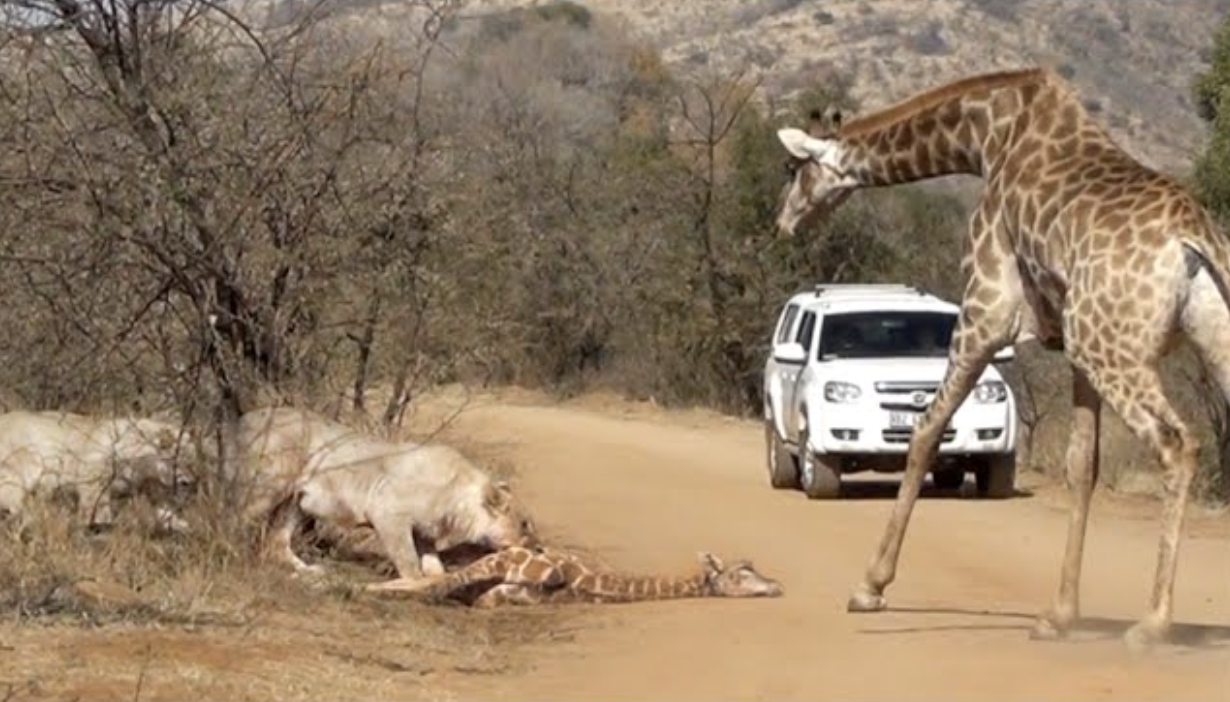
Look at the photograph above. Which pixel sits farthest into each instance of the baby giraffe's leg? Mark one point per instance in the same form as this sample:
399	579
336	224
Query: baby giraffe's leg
427	583
506	594
494	568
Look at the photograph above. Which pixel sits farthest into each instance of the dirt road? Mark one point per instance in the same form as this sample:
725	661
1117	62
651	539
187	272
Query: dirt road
647	490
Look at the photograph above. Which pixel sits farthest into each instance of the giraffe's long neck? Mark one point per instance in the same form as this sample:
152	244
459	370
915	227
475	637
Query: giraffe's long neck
944	140
616	587
960	130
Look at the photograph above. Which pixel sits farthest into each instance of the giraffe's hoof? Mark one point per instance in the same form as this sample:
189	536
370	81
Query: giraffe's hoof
864	600
1145	634
1046	630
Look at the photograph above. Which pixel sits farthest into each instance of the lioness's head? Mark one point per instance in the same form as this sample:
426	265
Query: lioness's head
510	522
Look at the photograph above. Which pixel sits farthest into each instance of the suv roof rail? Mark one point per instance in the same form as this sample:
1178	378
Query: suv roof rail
822	288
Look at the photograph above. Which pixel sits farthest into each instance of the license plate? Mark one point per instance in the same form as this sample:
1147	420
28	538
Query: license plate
901	420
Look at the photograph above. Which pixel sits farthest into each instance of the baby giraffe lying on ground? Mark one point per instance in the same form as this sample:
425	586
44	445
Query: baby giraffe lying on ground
525	576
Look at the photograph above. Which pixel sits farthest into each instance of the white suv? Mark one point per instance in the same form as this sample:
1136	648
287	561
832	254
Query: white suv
851	368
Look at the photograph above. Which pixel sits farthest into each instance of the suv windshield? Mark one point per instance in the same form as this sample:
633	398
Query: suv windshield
883	334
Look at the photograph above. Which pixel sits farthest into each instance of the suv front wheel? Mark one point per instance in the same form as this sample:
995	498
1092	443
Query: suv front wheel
819	478
997	477
783	470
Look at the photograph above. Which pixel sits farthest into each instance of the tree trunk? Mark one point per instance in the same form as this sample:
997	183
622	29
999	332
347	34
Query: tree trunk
396	408
365	343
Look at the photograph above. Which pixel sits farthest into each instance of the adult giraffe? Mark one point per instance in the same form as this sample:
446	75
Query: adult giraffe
1074	243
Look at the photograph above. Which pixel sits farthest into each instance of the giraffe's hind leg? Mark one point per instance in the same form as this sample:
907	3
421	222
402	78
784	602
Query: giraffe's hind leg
1115	334
1135	393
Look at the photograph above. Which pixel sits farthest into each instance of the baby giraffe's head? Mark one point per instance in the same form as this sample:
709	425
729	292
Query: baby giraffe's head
739	579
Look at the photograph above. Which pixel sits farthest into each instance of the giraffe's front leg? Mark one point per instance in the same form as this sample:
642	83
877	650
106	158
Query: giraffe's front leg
868	596
1082	477
987	323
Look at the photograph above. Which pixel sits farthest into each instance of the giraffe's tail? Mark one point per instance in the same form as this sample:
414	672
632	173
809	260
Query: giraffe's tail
1212	248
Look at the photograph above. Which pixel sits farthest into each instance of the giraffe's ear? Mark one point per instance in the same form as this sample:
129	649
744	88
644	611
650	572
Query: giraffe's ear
824	125
711	563
815	123
800	144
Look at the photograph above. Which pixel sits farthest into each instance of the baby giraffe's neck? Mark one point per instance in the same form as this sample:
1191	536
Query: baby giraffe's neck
614	587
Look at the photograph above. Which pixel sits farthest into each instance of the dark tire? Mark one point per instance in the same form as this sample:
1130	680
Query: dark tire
819	478
783	467
997	478
948	479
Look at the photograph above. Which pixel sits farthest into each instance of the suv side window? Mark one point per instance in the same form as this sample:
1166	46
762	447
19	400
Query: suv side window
783	331
806	327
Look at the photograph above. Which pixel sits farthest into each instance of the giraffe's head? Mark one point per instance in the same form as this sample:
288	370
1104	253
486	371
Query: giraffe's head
738	579
818	179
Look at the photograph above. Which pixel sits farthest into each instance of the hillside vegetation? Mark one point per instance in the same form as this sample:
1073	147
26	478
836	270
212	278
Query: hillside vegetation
1135	61
342	204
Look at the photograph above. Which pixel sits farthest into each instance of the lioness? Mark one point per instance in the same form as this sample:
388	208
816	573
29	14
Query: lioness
96	460
419	499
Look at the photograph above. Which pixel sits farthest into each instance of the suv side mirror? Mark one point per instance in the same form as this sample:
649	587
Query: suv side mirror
792	352
1004	355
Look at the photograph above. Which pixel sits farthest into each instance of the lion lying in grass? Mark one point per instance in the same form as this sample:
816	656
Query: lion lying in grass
93	460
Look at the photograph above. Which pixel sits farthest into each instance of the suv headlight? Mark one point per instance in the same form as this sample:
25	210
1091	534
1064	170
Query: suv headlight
990	392
837	391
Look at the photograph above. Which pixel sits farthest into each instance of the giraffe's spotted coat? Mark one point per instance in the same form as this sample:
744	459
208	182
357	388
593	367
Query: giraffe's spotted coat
1074	243
520	576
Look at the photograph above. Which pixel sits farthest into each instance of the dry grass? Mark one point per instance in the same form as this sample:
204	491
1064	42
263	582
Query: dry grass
333	648
124	614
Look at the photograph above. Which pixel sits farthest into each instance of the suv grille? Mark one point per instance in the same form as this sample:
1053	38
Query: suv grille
902	436
896	387
906	395
905	405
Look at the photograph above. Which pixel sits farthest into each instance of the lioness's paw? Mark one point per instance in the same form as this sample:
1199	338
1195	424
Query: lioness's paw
309	571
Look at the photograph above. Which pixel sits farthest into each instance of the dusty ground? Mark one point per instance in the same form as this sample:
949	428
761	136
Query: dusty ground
645	490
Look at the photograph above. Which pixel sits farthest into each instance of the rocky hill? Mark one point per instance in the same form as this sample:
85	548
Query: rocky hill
1134	61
